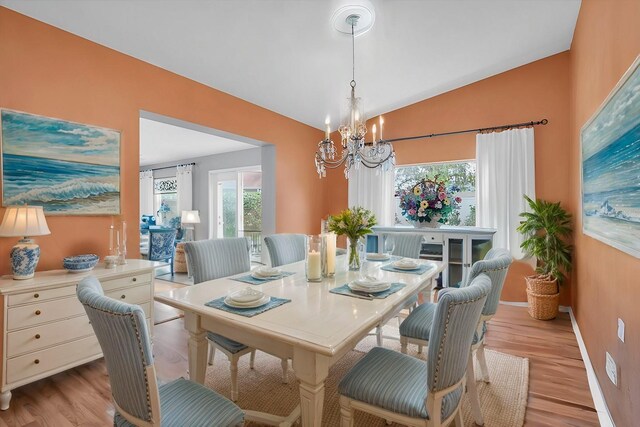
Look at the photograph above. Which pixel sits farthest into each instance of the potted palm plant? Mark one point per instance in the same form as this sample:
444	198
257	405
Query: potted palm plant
546	230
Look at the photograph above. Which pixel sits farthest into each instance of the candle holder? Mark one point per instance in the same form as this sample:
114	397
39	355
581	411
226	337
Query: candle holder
122	248
313	260
328	254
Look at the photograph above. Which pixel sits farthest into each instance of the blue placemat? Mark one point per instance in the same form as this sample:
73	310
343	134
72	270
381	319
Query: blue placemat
420	270
253	281
247	312
345	290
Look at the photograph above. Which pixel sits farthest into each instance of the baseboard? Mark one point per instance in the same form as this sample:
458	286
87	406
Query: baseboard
604	416
562	308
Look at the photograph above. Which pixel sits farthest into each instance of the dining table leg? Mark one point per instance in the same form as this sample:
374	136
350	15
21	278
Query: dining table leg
311	370
197	346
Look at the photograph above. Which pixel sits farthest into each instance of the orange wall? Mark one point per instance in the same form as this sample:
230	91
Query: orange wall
605	44
531	92
47	71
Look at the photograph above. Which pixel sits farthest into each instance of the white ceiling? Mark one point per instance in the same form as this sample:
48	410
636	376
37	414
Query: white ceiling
161	142
285	55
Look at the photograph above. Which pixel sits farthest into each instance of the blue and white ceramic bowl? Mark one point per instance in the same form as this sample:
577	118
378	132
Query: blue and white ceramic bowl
80	263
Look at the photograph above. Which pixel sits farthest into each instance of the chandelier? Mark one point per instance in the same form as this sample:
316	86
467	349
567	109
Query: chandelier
356	152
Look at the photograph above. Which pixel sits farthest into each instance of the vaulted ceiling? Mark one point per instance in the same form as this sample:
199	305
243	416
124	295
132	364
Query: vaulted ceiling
285	55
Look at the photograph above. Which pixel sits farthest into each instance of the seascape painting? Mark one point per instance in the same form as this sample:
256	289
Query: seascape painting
68	168
611	167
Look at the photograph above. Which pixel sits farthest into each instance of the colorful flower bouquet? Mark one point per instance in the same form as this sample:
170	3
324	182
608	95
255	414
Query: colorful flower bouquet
429	203
354	223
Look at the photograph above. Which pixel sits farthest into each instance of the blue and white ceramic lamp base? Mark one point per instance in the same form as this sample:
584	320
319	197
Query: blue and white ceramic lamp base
24	259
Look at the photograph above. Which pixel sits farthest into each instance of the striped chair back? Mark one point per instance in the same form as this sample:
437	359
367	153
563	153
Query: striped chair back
495	265
454	323
286	248
407	245
122	332
215	258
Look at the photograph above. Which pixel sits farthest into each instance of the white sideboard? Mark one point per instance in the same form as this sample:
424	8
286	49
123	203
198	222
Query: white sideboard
457	247
45	328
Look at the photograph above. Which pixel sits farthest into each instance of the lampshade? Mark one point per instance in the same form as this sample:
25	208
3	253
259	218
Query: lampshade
24	221
190	217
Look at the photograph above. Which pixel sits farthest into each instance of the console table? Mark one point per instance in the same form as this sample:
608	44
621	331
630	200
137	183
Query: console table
45	328
457	247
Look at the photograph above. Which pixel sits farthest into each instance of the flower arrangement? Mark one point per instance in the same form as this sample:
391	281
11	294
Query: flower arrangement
354	223
429	201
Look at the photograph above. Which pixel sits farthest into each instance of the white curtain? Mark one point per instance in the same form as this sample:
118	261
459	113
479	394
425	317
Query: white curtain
373	189
146	193
184	180
505	172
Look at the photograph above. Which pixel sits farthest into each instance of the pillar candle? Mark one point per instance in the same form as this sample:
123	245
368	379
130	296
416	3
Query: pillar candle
314	263
331	254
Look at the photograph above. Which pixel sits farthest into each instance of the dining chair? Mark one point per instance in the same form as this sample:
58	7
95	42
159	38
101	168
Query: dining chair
121	330
286	248
406	245
411	391
161	246
212	259
416	328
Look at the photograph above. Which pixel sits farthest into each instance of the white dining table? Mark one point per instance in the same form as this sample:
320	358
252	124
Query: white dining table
314	330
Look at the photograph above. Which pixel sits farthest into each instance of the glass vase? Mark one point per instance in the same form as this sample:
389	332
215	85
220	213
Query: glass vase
354	253
313	260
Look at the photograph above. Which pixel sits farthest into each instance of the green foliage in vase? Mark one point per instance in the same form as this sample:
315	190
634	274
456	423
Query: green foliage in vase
354	223
546	230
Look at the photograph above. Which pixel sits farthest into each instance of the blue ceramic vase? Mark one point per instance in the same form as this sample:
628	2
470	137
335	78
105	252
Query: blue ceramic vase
24	259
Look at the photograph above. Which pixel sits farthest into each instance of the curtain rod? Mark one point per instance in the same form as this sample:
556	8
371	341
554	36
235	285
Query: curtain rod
503	127
170	167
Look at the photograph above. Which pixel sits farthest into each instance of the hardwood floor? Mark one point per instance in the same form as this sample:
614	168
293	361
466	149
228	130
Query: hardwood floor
558	389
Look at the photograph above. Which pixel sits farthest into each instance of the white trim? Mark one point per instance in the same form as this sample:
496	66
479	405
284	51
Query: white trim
604	416
561	309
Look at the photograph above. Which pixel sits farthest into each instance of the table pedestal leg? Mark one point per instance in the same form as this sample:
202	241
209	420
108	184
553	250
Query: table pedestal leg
311	370
198	346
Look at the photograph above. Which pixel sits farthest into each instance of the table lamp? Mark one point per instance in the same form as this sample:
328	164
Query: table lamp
24	221
189	217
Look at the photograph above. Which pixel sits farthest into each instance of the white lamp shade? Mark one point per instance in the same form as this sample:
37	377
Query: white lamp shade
190	217
24	221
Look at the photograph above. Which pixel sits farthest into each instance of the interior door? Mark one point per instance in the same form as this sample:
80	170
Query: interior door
226	212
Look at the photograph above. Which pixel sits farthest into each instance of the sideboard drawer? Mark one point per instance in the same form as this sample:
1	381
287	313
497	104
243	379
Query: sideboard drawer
39	362
123	282
132	295
433	237
47	335
43	312
37	296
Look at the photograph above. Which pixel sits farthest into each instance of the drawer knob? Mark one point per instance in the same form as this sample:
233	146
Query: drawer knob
38	312
123	296
36	361
36	295
37	336
134	279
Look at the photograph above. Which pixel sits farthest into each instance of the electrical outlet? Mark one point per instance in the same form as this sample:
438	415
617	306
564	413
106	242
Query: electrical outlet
612	369
621	329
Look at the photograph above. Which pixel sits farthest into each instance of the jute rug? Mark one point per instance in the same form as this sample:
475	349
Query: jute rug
503	401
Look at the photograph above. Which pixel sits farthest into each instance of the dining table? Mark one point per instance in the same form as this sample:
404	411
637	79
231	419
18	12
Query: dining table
315	329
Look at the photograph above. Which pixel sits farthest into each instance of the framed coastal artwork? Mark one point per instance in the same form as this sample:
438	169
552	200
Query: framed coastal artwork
68	168
610	143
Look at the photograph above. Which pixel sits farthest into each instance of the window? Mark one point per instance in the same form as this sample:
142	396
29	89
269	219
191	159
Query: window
165	199
462	174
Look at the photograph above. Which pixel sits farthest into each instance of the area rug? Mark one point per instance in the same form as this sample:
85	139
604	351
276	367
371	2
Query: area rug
503	400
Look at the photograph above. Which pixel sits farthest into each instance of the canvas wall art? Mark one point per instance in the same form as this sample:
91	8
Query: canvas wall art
68	168
611	167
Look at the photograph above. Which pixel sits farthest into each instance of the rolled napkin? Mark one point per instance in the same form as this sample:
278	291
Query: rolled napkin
266	272
405	264
369	284
246	295
377	257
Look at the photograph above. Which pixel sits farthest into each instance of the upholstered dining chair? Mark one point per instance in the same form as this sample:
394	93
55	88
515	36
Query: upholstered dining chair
286	248
416	328
212	259
121	330
413	392
161	245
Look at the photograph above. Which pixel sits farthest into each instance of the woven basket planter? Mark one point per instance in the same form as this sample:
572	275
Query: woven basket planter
542	285
543	307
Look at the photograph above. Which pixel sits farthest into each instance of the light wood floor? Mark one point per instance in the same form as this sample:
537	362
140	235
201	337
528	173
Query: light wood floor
558	390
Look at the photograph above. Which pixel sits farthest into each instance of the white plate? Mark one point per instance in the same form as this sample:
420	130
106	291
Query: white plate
246	295
405	266
378	257
368	289
261	277
265	273
259	303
